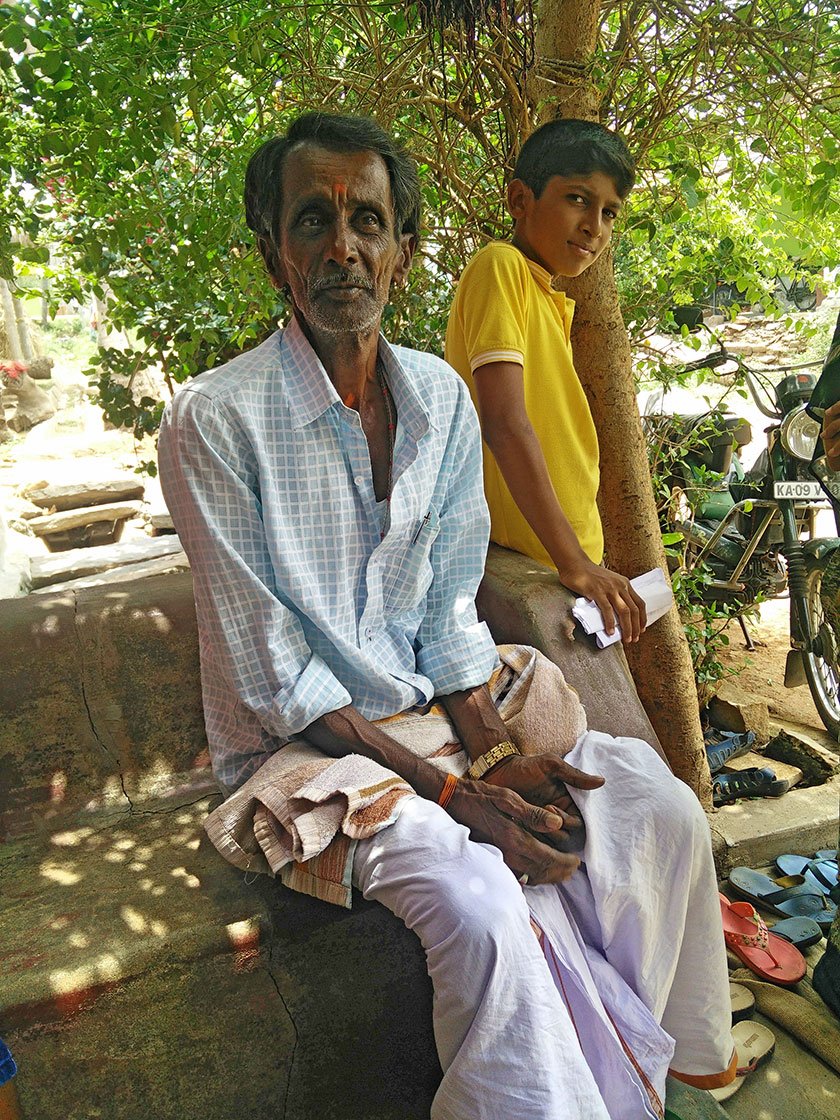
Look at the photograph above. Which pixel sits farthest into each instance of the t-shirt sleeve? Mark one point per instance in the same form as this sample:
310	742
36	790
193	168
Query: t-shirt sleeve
491	304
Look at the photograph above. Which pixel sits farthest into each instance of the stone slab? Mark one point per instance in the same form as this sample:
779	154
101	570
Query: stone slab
753	833
80	562
161	566
71	495
782	770
73	518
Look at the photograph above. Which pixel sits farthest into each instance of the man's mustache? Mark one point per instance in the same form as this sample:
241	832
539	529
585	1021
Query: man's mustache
351	279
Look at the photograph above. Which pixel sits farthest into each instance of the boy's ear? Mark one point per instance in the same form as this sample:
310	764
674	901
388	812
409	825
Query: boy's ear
519	195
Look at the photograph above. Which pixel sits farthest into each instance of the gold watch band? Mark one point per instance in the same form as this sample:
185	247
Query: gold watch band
489	759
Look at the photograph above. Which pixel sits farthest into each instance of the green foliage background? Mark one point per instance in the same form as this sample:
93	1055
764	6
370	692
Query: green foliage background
125	127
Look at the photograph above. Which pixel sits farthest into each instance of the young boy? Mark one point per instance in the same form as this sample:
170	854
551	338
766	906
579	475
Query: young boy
508	337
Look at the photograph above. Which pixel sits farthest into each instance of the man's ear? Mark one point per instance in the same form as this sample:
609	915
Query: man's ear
408	246
269	254
519	195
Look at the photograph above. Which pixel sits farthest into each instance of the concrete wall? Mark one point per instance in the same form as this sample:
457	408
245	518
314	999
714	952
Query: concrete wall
101	695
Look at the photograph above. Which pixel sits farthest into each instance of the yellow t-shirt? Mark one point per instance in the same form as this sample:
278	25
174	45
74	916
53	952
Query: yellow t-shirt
505	310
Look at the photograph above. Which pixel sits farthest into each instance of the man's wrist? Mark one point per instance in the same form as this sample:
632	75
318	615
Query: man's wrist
485	762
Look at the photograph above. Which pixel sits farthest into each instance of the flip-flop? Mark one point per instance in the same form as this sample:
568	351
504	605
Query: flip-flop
754	1044
721	746
789	897
742	1000
769	957
753	782
800	932
827	853
820	873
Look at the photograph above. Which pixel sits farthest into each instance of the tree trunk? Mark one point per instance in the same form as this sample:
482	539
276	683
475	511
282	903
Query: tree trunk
23	330
660	662
15	348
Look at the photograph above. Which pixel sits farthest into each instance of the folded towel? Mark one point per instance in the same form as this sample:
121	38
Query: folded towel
653	587
302	813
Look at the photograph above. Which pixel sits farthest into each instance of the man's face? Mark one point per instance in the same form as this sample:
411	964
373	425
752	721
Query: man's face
337	249
568	227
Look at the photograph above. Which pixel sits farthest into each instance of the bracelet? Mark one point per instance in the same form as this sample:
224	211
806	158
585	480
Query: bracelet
489	759
447	791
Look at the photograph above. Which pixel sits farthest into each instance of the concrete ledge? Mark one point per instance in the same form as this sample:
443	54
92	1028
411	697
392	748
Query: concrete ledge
753	833
137	962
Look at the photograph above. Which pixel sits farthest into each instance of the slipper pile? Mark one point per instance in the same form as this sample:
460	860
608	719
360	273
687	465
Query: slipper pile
791	896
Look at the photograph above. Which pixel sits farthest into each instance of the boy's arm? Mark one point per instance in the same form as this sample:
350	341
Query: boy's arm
509	435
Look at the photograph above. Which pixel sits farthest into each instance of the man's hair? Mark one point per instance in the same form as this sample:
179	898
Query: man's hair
264	174
573	147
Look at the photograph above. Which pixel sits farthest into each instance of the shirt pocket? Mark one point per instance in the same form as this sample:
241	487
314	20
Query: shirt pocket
410	572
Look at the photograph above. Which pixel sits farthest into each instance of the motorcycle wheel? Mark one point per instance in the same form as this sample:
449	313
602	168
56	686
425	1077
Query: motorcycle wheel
822	670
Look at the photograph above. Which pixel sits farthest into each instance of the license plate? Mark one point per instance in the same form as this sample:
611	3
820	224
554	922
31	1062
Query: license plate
799	491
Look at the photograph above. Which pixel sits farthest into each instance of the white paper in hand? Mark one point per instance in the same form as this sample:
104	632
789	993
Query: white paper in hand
653	587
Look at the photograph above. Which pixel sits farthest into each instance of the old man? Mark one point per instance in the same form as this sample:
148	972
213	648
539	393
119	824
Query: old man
327	488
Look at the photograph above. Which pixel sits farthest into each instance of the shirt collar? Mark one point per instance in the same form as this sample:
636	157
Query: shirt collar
543	278
311	393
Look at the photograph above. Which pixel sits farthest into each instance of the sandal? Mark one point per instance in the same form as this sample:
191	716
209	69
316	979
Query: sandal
742	1001
800	932
789	897
819	873
768	956
754	1044
721	746
753	782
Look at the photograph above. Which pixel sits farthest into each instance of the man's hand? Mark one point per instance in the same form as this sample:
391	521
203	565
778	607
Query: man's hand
614	596
831	436
543	780
522	832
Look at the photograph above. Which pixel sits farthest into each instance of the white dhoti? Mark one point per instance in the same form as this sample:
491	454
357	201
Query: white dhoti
627	978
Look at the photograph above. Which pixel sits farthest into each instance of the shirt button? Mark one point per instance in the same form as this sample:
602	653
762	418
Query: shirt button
369	634
358	480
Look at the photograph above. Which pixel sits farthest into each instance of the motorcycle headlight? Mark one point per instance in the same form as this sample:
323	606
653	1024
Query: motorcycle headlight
799	434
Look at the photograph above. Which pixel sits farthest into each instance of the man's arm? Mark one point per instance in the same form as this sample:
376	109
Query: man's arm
538	779
524	832
510	436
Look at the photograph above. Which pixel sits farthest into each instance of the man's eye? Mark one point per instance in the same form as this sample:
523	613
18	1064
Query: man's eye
309	221
370	220
611	215
577	198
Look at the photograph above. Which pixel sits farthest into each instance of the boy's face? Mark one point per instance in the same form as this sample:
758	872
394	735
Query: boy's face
569	225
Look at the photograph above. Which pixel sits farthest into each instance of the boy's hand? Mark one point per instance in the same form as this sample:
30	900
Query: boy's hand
613	595
831	436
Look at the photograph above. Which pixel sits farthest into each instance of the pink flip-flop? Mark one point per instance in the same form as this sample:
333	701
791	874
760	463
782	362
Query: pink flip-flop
764	953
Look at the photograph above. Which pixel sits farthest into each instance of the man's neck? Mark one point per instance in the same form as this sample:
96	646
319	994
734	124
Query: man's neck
349	360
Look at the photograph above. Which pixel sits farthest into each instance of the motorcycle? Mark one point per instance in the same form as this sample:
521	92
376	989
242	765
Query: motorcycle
753	534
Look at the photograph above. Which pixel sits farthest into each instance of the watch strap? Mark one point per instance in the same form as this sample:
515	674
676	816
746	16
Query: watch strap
489	759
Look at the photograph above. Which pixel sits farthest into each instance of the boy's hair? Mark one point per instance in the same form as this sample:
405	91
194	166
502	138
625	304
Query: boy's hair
264	175
574	147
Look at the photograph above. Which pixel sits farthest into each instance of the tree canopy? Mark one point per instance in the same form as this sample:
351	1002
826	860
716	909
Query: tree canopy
126	126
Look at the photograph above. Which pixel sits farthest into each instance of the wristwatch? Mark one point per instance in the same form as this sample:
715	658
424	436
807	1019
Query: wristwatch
489	759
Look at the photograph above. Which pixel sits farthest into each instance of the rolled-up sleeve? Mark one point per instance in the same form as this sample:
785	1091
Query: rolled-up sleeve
455	650
252	643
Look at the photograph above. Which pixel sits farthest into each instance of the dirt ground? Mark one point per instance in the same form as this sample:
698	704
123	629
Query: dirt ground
761	672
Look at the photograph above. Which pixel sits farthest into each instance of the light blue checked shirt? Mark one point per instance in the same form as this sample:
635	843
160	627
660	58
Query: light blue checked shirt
301	607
